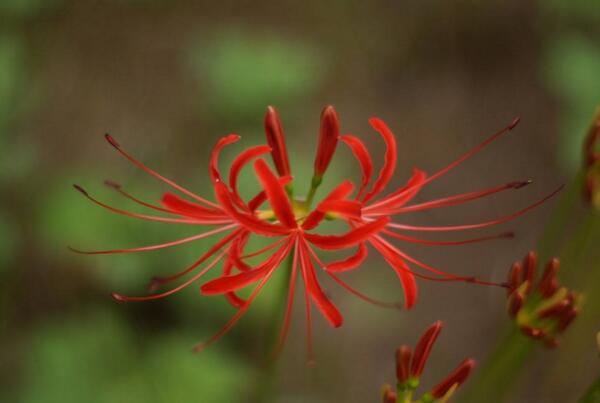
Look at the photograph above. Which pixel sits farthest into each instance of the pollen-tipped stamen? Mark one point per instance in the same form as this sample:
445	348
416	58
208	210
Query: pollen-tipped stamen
143	167
481	224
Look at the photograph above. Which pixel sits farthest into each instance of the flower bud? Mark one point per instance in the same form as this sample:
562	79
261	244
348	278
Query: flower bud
276	140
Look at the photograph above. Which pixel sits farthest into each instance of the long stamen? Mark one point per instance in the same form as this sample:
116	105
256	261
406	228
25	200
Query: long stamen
169	182
119	189
360	295
158	281
473	151
351	289
449	277
504	235
452	200
158	246
290	303
147	217
120	297
477	225
203	345
309	341
265	249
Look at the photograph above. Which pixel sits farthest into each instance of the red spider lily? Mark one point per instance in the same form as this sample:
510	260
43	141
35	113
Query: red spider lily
410	366
288	224
366	207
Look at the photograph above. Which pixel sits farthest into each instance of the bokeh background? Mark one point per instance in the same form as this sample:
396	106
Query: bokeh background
168	78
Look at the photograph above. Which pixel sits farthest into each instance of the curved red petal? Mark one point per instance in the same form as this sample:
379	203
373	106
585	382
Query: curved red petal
276	140
348	208
404	194
240	161
276	194
350	262
407	279
391	155
326	307
247	220
316	216
261	196
225	284
328	138
234	282
363	157
350	238
214	156
184	207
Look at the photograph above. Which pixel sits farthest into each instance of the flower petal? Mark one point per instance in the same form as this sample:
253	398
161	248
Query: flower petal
403	195
350	262
214	156
225	284
240	161
361	153
276	194
407	279
326	307
316	216
184	207
249	221
391	155
350	238
348	208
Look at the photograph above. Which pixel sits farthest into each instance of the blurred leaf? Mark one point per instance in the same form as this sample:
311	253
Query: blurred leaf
11	75
94	358
586	9
571	71
245	71
9	235
26	8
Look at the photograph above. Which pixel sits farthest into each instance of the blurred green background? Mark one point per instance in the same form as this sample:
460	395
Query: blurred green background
168	78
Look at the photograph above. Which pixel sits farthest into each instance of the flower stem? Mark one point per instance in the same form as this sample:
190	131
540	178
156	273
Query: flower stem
500	369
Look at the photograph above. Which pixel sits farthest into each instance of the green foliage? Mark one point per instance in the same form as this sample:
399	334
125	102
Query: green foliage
244	71
571	71
95	358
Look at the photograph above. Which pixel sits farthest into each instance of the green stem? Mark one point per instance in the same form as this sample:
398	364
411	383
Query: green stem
560	218
500	369
593	393
314	184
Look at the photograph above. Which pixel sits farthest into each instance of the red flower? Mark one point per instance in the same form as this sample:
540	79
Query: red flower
290	223
287	223
410	366
366	207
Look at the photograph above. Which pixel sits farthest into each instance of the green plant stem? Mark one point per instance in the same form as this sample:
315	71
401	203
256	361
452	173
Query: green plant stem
593	393
561	216
493	380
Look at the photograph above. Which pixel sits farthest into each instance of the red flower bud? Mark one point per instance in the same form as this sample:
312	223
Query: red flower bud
403	364
423	348
276	140
529	266
328	138
458	376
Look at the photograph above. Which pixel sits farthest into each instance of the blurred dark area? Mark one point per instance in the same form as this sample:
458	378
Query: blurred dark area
169	78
